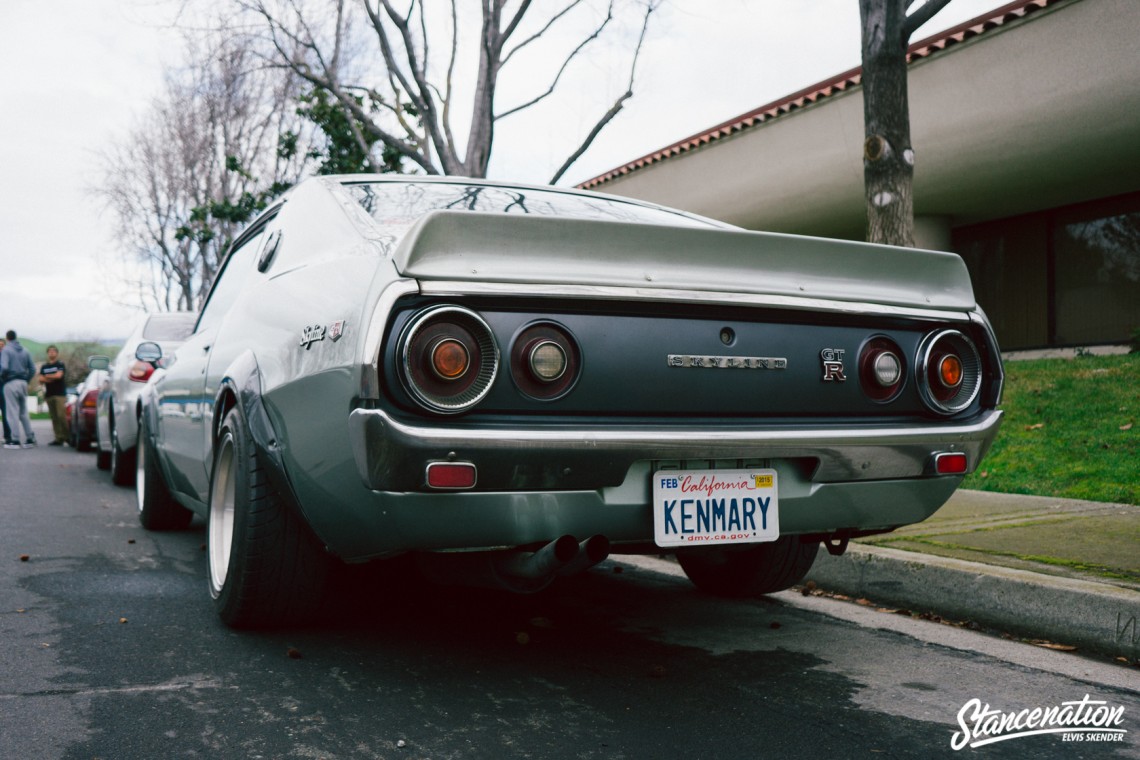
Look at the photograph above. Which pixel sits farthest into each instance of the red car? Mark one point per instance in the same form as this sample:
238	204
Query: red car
81	411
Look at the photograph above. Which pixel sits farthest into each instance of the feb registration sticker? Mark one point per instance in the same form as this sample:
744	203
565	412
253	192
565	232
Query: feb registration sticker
694	507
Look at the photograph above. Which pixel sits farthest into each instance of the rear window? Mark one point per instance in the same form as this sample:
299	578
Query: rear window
397	205
163	327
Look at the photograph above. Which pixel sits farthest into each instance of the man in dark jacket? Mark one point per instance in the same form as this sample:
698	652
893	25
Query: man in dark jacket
16	368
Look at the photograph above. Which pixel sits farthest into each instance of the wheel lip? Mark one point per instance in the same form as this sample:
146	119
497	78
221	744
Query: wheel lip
220	522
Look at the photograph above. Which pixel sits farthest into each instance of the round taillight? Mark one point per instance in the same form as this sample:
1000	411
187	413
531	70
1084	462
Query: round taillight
545	360
882	371
449	358
951	371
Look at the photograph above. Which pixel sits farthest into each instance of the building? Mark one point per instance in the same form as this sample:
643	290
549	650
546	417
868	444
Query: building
1026	128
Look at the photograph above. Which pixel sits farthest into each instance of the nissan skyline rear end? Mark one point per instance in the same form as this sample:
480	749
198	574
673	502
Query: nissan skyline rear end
712	392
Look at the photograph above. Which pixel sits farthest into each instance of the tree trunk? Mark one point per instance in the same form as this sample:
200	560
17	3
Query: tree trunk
888	158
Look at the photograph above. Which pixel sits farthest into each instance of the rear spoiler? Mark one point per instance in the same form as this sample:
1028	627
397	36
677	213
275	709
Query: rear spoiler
544	250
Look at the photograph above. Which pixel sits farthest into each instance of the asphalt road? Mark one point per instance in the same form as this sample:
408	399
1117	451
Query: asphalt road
109	648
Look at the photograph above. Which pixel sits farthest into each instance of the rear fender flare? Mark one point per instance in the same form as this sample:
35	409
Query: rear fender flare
240	388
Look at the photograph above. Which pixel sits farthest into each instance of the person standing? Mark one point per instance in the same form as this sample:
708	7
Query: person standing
55	393
3	411
16	369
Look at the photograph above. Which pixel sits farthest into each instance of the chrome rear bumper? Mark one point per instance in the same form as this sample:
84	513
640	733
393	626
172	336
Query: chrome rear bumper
392	455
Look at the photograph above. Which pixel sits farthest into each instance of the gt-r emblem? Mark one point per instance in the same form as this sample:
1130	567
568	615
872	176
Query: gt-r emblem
311	335
832	359
336	329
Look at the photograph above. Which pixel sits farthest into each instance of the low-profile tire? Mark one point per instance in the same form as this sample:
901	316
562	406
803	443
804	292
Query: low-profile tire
157	508
751	570
266	568
123	465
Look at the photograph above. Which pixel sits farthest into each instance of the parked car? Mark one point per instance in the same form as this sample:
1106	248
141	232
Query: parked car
81	410
118	409
508	383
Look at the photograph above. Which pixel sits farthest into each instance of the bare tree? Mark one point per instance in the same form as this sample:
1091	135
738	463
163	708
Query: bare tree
222	138
888	156
410	99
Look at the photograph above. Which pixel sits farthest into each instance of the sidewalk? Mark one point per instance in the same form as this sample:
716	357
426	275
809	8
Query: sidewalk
1061	570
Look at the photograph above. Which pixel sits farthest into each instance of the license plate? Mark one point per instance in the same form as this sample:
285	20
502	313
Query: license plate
697	507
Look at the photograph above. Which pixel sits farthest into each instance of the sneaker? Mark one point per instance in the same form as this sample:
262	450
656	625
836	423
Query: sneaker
11	445
29	445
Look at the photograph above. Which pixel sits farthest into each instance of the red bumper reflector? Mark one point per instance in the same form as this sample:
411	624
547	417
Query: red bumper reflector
451	475
950	464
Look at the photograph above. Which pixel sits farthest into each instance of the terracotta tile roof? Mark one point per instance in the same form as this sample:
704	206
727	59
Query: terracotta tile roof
825	89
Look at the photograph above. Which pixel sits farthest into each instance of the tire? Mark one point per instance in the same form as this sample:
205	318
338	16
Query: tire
102	458
752	570
265	566
157	508
123	465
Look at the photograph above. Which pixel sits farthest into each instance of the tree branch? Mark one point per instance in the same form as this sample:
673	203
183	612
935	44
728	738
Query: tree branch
618	104
920	16
569	58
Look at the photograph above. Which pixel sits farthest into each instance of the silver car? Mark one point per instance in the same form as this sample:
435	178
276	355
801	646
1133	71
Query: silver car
116	418
508	382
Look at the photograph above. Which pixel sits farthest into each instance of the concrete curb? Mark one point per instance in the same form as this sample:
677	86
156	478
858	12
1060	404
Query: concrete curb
1094	617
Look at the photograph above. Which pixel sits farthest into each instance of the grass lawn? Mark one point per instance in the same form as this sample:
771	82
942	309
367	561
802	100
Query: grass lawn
1069	431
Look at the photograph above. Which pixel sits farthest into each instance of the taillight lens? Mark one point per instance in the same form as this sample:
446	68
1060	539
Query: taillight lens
951	371
449	358
90	399
545	360
140	371
882	370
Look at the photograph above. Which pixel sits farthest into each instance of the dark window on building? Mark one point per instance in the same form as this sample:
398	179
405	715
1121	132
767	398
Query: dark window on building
1062	277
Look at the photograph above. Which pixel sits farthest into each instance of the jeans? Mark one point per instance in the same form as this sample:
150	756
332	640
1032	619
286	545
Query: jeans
16	405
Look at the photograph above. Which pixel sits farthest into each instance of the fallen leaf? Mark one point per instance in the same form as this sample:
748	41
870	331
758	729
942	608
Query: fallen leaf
1052	645
122	621
1038	426
294	653
864	602
808	588
1126	427
985	473
24	558
21	611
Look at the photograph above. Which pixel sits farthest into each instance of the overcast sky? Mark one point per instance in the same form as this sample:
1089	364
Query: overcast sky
76	74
